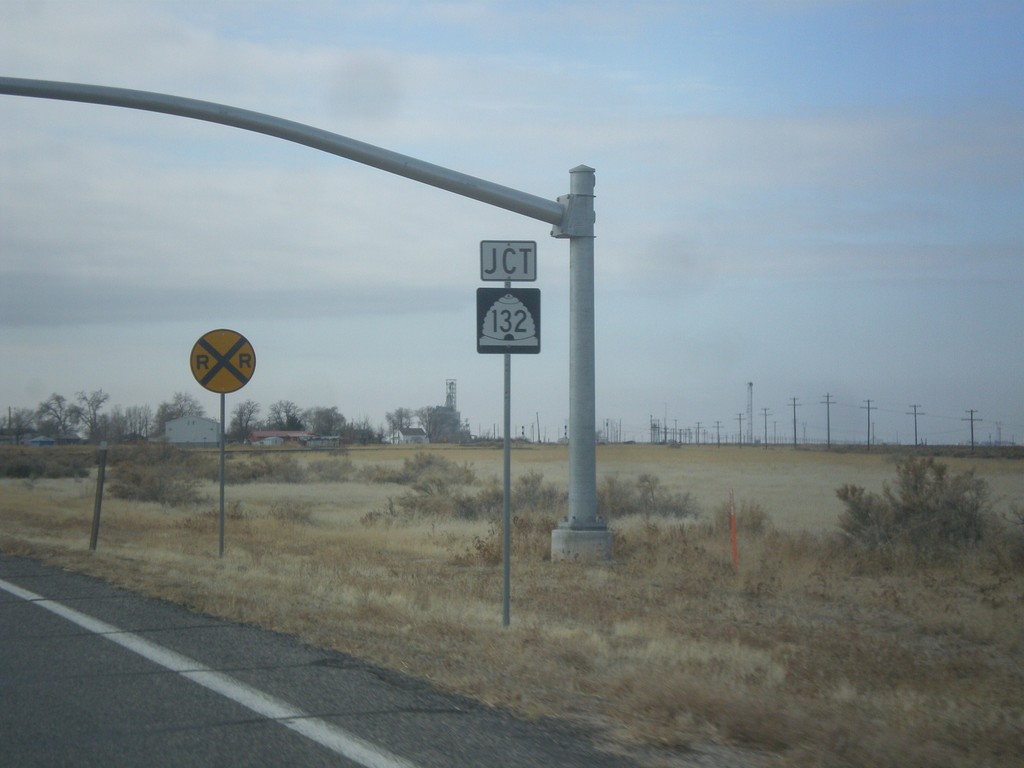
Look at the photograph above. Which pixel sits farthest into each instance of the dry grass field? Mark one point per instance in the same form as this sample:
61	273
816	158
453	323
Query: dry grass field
808	653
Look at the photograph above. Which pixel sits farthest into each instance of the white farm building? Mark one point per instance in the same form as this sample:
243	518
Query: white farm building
193	430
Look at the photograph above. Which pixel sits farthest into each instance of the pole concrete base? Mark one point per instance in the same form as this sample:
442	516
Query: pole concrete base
581	544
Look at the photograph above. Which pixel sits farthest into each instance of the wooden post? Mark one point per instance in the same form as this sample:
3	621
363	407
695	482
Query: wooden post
100	474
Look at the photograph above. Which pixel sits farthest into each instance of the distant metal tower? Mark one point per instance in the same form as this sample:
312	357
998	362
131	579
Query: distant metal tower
449	400
750	413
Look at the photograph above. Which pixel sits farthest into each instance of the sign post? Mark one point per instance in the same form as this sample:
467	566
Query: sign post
507	323
222	361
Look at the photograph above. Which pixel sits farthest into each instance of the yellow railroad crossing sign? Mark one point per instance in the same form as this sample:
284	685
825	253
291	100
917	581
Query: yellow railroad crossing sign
223	361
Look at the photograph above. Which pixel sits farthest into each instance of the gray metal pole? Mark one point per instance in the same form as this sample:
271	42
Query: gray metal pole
220	518
402	165
582	408
581	534
506	506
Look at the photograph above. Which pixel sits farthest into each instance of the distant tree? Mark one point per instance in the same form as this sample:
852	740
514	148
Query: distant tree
398	419
89	407
138	421
442	424
180	405
115	425
285	415
20	421
324	421
127	424
244	419
56	416
362	432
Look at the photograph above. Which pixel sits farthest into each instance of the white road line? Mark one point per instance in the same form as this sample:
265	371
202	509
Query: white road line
331	736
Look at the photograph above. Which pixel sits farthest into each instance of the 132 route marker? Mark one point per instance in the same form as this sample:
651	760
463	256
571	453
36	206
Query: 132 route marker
508	321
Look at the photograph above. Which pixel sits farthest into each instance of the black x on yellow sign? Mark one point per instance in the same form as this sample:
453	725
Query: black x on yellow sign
223	361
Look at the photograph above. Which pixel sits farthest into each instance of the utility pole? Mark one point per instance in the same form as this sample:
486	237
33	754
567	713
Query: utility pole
868	407
750	412
827	402
718	434
915	413
698	434
766	415
740	417
794	403
971	419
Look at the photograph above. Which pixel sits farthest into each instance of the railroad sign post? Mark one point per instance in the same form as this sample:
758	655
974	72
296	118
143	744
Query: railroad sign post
222	361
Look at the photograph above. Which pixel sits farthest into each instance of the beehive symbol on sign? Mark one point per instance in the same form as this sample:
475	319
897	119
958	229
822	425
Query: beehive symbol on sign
508	323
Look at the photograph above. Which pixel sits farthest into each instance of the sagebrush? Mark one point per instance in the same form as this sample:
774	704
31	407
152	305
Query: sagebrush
929	512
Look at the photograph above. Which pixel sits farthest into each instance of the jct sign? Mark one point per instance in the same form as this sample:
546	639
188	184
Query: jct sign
508	261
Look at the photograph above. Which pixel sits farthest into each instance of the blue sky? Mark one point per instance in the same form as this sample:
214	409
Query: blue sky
817	196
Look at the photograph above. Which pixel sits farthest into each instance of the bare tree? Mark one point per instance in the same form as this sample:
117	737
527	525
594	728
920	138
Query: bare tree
138	422
89	407
243	419
57	416
180	405
20	421
442	424
115	425
324	421
363	432
284	415
127	424
398	419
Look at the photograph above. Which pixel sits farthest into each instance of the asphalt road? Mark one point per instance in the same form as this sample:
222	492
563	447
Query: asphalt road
91	675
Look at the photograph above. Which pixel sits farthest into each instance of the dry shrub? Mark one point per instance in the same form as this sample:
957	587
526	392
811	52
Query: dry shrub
44	462
929	513
438	491
531	540
262	468
155	472
332	470
1007	539
688	556
295	512
616	498
752	519
427	472
530	494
